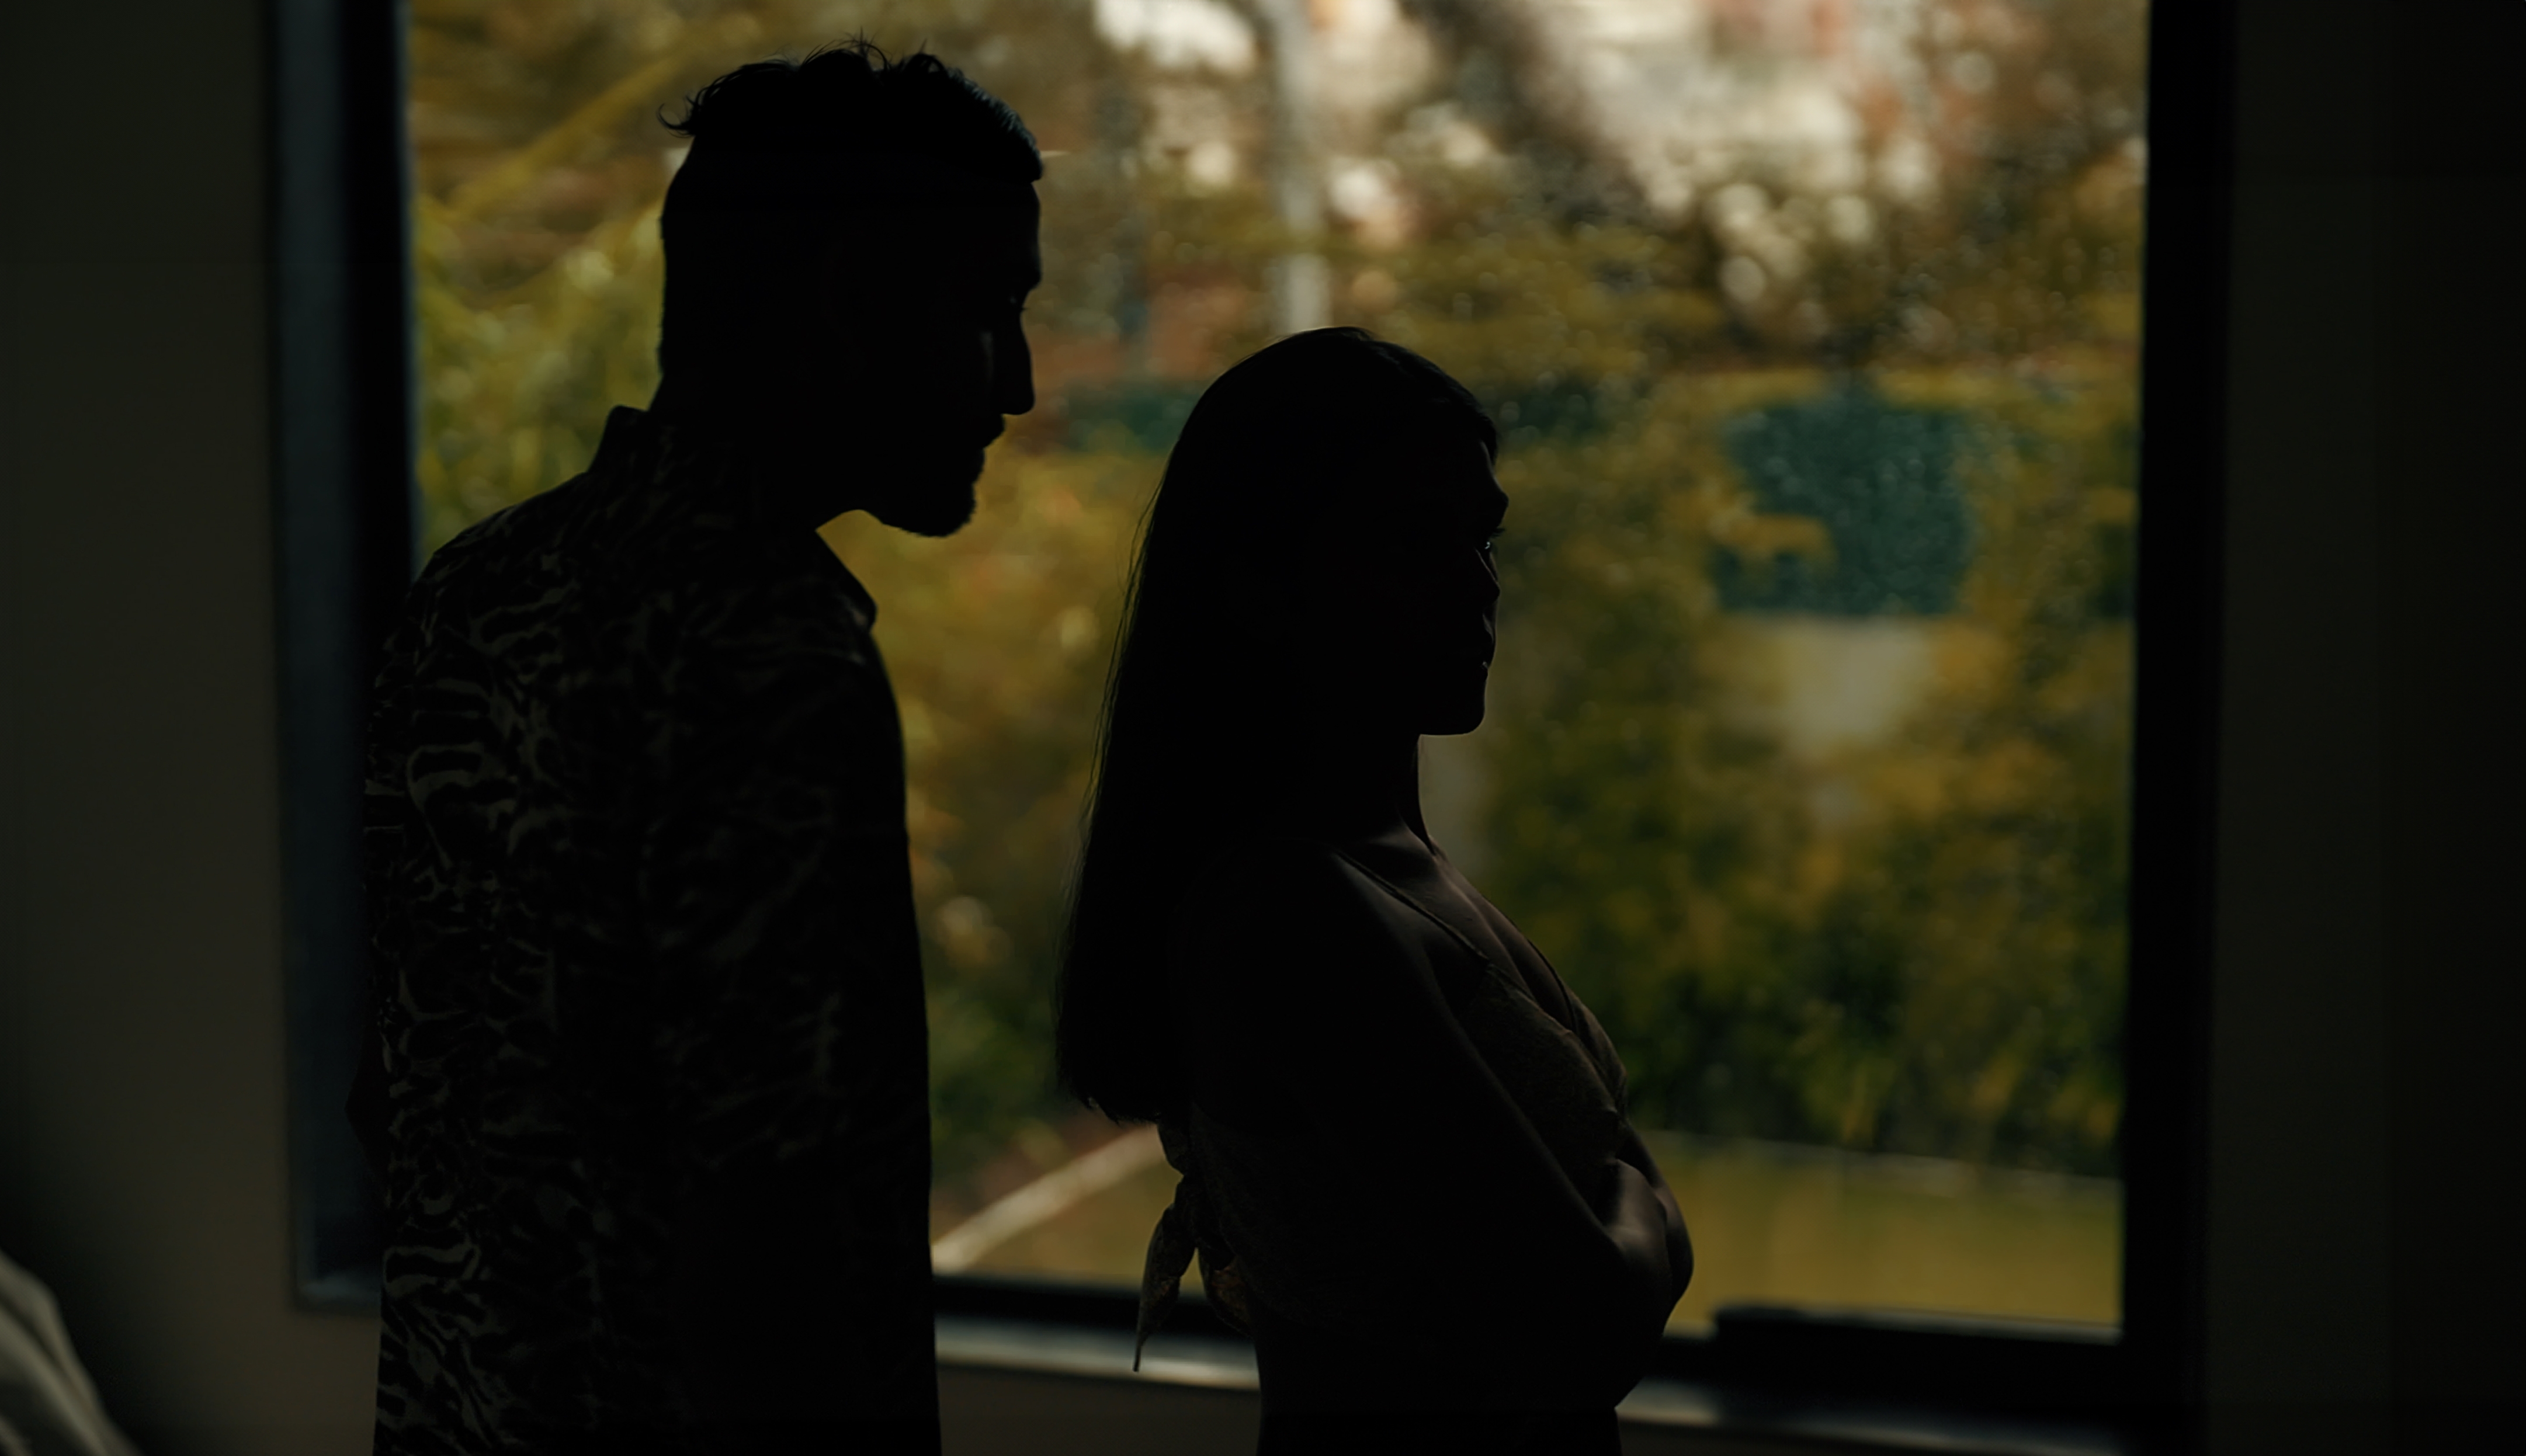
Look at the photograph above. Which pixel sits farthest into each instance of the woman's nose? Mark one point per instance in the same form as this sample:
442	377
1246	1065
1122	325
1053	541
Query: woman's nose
1012	371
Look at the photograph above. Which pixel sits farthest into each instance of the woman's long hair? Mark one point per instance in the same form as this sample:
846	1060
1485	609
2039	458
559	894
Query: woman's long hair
1191	745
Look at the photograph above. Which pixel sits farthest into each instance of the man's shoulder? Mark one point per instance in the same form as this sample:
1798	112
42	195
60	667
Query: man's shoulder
595	519
626	545
675	522
511	544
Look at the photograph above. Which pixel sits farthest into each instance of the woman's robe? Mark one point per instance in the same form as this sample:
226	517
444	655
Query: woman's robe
1399	1128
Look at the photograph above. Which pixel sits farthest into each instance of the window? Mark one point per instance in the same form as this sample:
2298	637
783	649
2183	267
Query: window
1820	398
1812	332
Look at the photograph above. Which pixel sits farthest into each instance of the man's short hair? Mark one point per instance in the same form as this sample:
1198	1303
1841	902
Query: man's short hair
780	146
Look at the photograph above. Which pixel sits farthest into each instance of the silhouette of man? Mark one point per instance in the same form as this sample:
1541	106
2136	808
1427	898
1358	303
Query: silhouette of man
649	1087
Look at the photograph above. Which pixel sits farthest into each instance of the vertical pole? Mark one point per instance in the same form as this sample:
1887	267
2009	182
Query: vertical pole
1301	281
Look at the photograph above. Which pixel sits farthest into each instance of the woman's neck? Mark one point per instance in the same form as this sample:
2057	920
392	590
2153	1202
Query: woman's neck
1357	785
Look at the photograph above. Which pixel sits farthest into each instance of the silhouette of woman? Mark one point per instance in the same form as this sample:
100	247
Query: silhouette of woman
1406	1169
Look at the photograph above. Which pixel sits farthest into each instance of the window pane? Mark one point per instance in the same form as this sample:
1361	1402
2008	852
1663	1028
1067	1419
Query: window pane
1811	331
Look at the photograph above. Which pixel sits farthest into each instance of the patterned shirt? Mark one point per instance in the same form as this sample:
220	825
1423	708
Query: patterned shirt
654	1124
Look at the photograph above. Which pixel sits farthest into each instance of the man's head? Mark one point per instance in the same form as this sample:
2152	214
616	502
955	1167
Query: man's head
849	243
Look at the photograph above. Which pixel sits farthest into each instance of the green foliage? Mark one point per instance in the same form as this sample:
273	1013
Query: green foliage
1639	830
1912	946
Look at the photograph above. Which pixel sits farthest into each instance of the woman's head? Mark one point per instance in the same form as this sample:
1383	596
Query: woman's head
1317	560
1321	533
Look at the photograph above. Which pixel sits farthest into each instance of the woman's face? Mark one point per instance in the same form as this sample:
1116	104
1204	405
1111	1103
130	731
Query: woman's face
1397	593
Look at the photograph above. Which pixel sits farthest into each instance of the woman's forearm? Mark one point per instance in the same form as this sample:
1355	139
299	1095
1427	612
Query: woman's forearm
1679	1239
1643	1225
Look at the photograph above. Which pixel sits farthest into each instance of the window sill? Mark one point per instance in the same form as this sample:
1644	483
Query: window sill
1222	1362
1215	1361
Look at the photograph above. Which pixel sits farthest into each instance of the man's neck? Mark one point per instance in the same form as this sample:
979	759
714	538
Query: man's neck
801	484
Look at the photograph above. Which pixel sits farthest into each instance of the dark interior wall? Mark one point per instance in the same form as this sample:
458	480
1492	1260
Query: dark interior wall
142	1168
2451	478
2297	1068
2364	1247
2367	1094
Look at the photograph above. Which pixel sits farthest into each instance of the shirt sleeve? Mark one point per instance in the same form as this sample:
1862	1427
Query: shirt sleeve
775	902
773	878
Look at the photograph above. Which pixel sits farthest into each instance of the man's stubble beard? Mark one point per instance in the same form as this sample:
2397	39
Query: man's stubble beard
927	492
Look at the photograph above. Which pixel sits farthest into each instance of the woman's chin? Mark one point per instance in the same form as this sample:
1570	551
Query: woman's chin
1453	719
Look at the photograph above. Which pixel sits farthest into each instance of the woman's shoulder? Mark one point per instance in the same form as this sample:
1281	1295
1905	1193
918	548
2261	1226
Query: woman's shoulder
1286	875
1271	861
1265	900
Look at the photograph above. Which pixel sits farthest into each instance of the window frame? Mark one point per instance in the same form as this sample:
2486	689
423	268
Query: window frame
344	433
342	429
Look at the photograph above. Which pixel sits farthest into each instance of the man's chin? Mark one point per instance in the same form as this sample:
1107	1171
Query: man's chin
936	501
